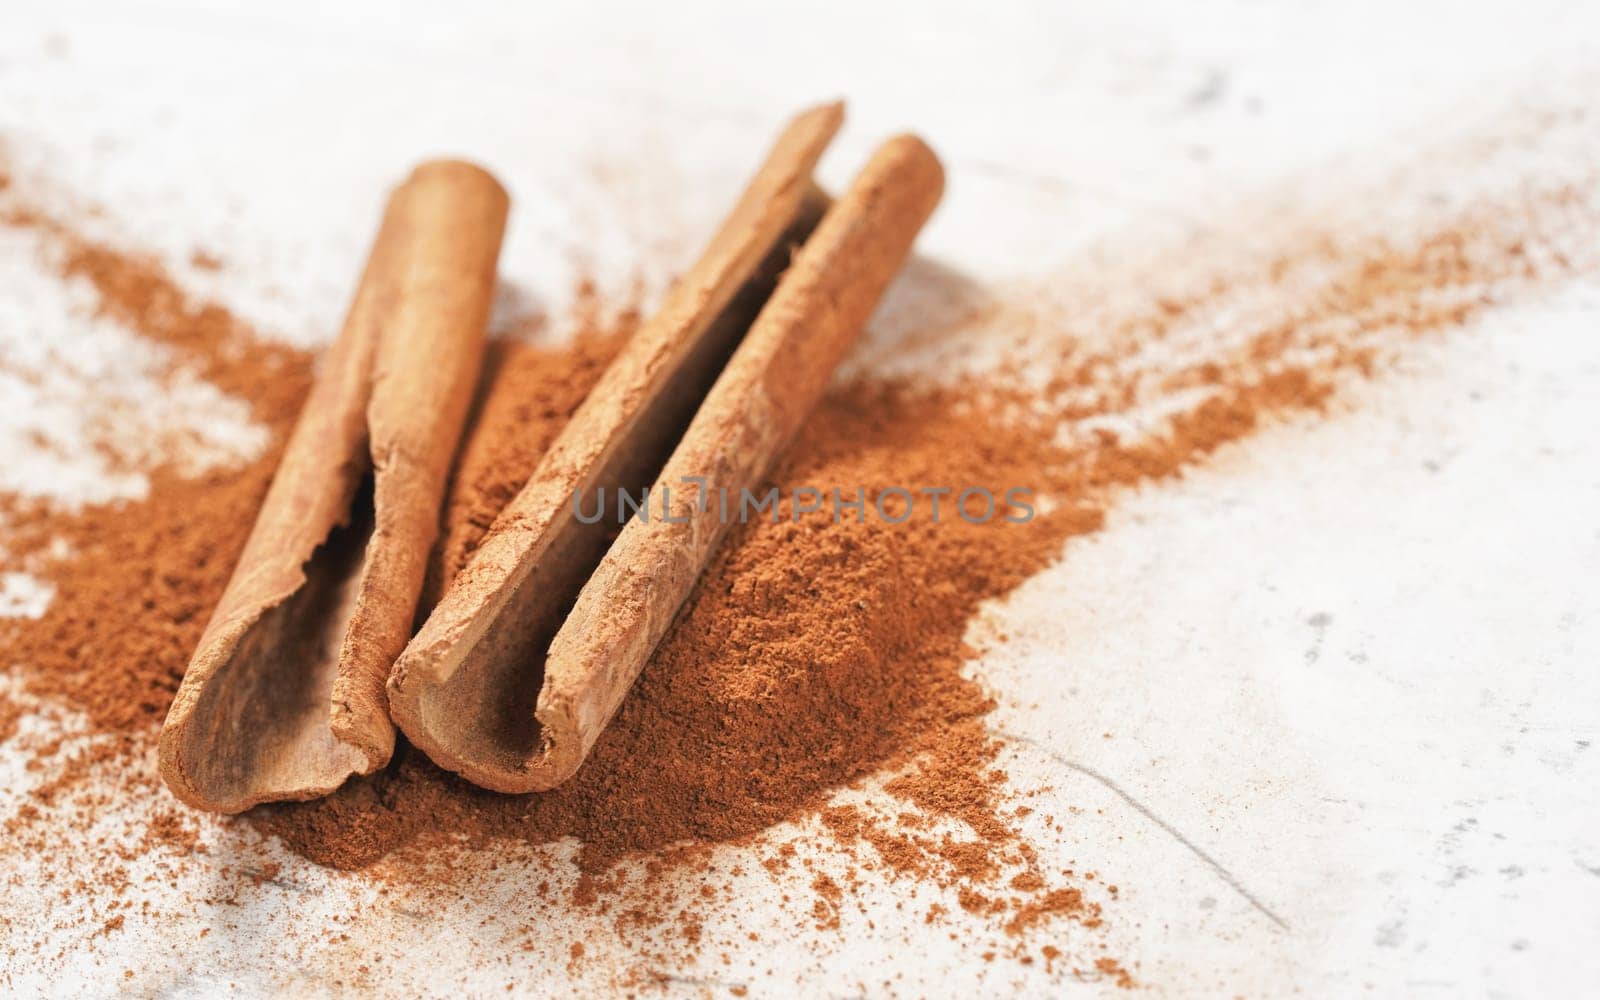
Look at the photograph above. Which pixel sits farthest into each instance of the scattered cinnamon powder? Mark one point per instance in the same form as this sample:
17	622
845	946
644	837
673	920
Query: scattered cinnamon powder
204	260
10	713
134	594
826	908
1113	970
814	656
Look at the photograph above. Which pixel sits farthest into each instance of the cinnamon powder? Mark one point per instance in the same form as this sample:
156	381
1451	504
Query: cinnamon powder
813	656
10	714
134	594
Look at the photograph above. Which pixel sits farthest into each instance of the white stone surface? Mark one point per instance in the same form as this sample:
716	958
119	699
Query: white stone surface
1349	667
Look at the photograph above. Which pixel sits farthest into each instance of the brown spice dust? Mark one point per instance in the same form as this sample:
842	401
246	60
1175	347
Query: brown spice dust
814	656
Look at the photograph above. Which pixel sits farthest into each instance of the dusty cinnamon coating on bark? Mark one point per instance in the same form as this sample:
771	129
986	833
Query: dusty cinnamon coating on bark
283	698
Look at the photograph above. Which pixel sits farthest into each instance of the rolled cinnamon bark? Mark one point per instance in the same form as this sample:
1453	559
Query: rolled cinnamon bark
774	379
464	691
284	697
501	684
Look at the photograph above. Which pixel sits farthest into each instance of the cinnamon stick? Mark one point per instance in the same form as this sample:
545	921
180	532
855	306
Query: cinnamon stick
510	711
464	691
284	698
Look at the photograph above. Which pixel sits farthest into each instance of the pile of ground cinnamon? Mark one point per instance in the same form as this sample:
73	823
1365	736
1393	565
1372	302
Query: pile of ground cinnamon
814	655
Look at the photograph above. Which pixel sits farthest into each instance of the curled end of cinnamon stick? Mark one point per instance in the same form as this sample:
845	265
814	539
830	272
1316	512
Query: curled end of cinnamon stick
486	729
284	697
254	726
